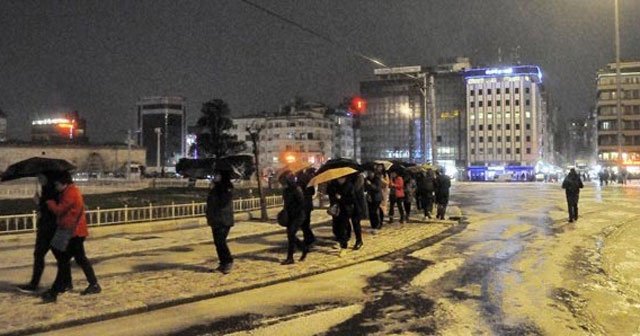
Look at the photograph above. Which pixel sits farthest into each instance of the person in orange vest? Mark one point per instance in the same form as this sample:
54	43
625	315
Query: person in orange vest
397	196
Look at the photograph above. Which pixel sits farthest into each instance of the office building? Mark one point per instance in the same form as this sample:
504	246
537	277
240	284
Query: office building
505	119
161	121
608	127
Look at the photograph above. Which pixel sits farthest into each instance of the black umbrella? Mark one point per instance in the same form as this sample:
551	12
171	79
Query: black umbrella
34	166
338	163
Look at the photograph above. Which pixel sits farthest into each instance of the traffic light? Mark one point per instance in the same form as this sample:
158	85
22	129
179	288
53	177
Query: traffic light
358	105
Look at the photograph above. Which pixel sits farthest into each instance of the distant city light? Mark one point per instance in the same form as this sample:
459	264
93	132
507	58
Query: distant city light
51	121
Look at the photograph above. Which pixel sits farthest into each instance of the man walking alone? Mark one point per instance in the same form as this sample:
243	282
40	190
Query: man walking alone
572	185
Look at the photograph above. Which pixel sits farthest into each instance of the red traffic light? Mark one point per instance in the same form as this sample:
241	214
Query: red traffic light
358	105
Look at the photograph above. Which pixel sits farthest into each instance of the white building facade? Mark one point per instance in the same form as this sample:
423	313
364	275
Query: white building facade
505	119
310	134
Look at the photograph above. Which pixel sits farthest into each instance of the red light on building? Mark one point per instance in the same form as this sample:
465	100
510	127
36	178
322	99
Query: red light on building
358	105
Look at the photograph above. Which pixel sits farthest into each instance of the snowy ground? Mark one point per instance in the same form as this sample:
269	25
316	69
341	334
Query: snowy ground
514	266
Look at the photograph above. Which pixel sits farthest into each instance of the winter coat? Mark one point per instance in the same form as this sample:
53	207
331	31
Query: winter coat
69	210
220	206
347	198
360	206
425	184
373	187
294	204
572	185
397	184
442	186
47	219
308	192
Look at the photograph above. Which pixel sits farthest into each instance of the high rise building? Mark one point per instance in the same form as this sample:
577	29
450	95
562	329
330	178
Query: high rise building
396	124
506	115
607	116
161	121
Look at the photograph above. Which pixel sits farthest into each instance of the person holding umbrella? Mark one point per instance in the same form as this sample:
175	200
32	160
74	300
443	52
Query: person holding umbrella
45	229
220	217
303	177
373	187
397	196
294	209
69	211
442	184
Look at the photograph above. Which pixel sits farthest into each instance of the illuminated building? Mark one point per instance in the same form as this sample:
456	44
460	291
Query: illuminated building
67	129
506	115
396	124
165	115
309	133
607	115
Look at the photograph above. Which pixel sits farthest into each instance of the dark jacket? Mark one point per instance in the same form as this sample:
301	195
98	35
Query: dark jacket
373	186
347	198
425	184
442	186
47	219
308	192
294	204
572	185
360	207
220	206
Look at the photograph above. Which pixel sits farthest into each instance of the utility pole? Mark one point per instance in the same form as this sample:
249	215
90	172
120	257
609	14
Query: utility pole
254	132
618	83
128	168
158	131
428	97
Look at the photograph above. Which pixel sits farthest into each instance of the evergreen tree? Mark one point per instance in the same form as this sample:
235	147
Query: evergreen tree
213	138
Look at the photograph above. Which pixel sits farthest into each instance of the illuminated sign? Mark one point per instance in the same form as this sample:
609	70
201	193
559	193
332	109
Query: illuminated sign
498	71
53	121
398	70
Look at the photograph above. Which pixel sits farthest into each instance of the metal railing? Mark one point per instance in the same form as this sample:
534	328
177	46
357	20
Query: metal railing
149	213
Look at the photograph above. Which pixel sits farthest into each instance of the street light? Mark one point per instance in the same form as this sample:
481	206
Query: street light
618	80
158	131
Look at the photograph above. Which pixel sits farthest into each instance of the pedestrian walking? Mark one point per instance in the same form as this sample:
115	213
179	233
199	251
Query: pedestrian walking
572	185
303	178
373	187
397	196
359	209
426	187
70	217
294	209
386	191
409	193
45	229
220	218
442	186
345	199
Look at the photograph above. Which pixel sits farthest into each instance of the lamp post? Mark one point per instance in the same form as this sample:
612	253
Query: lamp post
158	131
254	133
618	81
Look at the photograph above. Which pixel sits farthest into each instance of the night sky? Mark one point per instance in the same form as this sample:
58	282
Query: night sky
99	57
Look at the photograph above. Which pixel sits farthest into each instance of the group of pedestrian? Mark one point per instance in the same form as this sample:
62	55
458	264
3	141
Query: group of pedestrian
62	228
607	176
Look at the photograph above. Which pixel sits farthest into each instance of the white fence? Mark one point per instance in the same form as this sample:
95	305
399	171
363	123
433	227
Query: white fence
100	217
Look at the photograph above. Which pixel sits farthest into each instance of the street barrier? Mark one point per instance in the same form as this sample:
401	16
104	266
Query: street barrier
100	217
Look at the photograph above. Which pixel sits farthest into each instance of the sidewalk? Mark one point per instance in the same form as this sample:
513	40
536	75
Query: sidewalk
109	241
169	284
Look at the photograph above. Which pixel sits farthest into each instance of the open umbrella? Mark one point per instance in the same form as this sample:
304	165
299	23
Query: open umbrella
36	165
338	163
385	163
331	174
293	167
